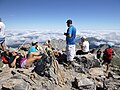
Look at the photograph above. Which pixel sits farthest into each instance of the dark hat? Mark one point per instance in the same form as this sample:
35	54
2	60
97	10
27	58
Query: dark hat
69	21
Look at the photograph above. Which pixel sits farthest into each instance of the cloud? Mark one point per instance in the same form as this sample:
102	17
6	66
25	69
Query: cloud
100	37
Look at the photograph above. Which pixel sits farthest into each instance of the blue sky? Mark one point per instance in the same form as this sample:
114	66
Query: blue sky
51	15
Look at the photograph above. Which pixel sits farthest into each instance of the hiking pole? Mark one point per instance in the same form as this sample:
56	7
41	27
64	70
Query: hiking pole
27	81
22	45
32	76
116	54
22	72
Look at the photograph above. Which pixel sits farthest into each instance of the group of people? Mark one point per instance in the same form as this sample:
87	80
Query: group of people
84	47
15	59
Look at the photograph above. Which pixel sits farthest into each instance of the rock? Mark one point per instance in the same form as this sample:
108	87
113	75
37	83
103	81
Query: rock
110	75
1	64
52	75
85	74
80	69
59	44
83	82
96	72
88	60
116	77
76	65
0	70
5	75
12	85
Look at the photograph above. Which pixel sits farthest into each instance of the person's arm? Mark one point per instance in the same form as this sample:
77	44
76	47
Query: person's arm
69	32
67	35
14	61
83	45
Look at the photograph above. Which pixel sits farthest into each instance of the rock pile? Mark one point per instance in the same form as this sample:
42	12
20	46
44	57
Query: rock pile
86	73
82	76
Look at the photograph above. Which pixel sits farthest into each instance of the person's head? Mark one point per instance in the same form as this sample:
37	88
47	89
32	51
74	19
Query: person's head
69	23
34	43
110	45
13	51
83	38
48	41
99	49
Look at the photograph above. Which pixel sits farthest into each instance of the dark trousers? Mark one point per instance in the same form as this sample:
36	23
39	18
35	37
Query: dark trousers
80	52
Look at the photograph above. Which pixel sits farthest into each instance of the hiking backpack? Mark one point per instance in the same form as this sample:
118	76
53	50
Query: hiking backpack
42	65
5	57
108	54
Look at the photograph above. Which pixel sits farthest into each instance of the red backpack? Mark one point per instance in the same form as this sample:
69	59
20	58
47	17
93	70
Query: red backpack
108	53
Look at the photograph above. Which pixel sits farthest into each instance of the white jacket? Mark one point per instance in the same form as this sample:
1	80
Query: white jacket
2	30
85	45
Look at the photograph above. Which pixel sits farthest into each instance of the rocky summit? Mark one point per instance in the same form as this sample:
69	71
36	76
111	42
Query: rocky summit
86	73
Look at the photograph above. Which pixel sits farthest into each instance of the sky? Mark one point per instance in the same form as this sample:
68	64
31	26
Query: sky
51	15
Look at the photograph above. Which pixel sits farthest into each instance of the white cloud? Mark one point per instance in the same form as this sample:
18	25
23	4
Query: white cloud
20	37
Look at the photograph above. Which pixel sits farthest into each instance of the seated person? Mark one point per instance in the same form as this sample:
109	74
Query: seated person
48	43
63	57
57	54
84	47
33	50
18	61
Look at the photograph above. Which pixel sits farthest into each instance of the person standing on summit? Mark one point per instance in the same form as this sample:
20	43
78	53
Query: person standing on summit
2	35
107	56
70	41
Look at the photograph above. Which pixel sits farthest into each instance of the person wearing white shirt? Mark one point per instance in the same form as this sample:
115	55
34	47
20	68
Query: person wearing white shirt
2	35
84	47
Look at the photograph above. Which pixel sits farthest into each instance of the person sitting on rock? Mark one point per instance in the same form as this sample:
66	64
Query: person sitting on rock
48	43
16	60
84	47
33	49
56	54
62	57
